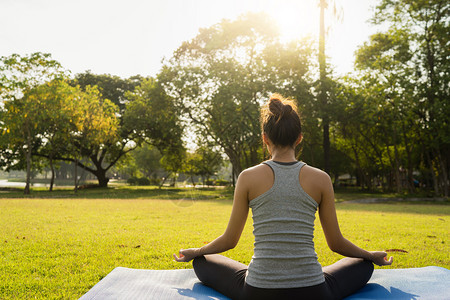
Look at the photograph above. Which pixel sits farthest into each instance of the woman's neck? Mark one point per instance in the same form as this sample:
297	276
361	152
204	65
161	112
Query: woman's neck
286	154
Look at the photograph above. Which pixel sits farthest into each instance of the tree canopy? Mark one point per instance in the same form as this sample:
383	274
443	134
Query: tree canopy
395	114
386	123
220	78
42	116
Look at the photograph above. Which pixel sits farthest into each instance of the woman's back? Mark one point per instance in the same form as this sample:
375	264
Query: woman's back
284	199
312	180
283	220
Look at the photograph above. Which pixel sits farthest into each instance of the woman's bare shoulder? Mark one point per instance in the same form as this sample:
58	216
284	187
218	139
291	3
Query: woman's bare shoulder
315	173
260	169
255	174
314	182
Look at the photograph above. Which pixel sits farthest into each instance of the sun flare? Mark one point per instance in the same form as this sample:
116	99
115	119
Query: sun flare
295	19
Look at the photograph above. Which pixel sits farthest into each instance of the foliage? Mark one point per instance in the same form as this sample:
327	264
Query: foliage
73	120
103	157
152	117
221	182
20	116
21	73
147	160
59	121
203	162
138	181
220	78
397	112
111	87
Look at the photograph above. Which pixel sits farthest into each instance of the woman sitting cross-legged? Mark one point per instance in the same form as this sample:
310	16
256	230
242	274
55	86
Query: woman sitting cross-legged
284	195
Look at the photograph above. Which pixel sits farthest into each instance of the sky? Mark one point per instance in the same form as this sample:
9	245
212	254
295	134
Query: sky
131	37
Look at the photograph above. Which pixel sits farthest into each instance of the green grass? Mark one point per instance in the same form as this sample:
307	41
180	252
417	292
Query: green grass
122	192
60	248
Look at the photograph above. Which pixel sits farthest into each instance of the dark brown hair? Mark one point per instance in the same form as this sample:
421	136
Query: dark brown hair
280	121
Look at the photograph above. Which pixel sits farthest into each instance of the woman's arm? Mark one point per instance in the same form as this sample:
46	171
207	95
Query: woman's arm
333	235
236	224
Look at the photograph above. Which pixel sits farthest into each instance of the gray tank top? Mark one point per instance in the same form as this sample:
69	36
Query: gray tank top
283	226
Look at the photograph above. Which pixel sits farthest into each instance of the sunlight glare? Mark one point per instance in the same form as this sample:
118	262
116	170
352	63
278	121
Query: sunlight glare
295	19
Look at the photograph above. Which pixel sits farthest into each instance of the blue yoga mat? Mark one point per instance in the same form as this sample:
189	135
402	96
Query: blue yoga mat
124	283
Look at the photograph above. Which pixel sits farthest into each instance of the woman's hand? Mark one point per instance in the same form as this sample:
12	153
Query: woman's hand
380	258
186	255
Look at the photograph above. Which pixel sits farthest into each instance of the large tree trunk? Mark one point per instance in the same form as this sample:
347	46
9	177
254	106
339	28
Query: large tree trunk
101	177
410	183
164	180
444	176
397	163
76	175
433	174
235	162
322	91
52	179
28	158
100	171
326	144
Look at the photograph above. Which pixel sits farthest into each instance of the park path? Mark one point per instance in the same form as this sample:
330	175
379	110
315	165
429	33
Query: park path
385	200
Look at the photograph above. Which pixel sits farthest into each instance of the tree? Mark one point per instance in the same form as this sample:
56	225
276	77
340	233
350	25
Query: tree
21	125
210	162
406	71
323	97
97	130
203	162
151	117
102	158
145	115
220	79
58	122
32	114
147	160
21	116
59	119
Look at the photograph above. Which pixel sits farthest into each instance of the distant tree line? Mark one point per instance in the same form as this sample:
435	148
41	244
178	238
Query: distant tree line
388	121
393	113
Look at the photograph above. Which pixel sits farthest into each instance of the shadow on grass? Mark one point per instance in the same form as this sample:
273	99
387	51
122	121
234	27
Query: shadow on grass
123	192
388	203
429	207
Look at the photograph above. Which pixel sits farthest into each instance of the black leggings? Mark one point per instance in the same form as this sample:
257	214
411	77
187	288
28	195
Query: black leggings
227	276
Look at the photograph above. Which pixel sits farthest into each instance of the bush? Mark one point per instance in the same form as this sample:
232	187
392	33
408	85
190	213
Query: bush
132	180
143	181
221	182
155	181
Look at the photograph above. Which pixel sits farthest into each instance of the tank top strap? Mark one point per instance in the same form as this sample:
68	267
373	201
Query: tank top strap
285	173
277	166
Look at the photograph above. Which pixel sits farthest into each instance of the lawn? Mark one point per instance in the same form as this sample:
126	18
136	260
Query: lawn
59	248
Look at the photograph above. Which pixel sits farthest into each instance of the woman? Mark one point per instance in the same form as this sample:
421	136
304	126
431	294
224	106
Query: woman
284	195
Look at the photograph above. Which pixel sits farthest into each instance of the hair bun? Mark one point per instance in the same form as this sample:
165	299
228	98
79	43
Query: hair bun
280	121
287	109
278	108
